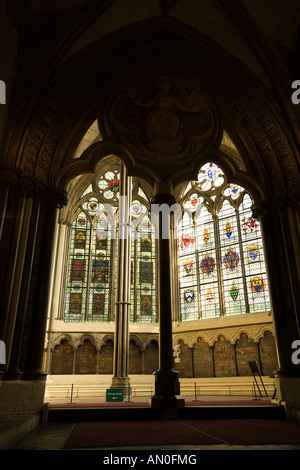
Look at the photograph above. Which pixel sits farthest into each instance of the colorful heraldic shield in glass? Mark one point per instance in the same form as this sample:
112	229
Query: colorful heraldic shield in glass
114	185
253	253
206	236
188	264
194	201
91	206
208	264
249	225
257	284
186	240
109	185
231	260
209	296
234	292
234	188
189	295
228	230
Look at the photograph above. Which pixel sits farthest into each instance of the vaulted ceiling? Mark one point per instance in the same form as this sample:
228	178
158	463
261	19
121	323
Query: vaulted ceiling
46	42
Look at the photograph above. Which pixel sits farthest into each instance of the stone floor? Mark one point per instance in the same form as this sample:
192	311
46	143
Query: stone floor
53	436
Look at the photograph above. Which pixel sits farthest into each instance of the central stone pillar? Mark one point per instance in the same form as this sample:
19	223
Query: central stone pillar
167	387
121	344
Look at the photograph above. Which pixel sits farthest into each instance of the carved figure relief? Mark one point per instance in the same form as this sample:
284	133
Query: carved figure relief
161	120
164	118
176	353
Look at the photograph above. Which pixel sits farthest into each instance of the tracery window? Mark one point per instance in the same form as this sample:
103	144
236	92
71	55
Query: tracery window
91	280
220	252
143	274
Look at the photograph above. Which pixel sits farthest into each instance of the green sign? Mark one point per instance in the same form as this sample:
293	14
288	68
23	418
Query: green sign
114	394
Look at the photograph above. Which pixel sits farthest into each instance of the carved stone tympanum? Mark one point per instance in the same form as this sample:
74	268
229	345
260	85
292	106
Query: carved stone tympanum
161	121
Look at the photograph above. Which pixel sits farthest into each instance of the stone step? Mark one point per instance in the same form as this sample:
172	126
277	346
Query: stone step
230	411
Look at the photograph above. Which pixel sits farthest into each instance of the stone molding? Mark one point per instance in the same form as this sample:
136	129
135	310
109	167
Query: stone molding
210	336
25	185
262	208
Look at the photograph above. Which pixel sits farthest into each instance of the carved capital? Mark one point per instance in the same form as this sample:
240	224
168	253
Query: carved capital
263	208
50	195
9	176
57	196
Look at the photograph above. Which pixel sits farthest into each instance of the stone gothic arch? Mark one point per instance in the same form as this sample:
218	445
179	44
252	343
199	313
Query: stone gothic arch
41	139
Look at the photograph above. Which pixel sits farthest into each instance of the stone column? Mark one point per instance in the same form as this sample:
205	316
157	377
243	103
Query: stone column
9	180
14	371
273	222
121	343
283	275
52	200
167	387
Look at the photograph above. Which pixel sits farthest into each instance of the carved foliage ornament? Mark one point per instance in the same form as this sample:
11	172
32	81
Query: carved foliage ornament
161	121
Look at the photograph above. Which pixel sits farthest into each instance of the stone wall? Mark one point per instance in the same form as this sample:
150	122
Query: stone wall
93	354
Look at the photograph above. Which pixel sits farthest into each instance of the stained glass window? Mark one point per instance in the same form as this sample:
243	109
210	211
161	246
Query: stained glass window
78	269
92	255
109	185
255	269
231	260
91	282
143	265
100	272
220	252
188	269
207	264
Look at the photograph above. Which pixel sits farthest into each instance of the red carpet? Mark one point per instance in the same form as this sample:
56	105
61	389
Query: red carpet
182	432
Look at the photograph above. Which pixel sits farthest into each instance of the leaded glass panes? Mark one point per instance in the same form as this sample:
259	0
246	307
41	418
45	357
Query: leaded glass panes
143	266
78	269
210	177
255	269
90	286
188	269
231	260
207	264
88	190
100	273
91	283
108	185
220	252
